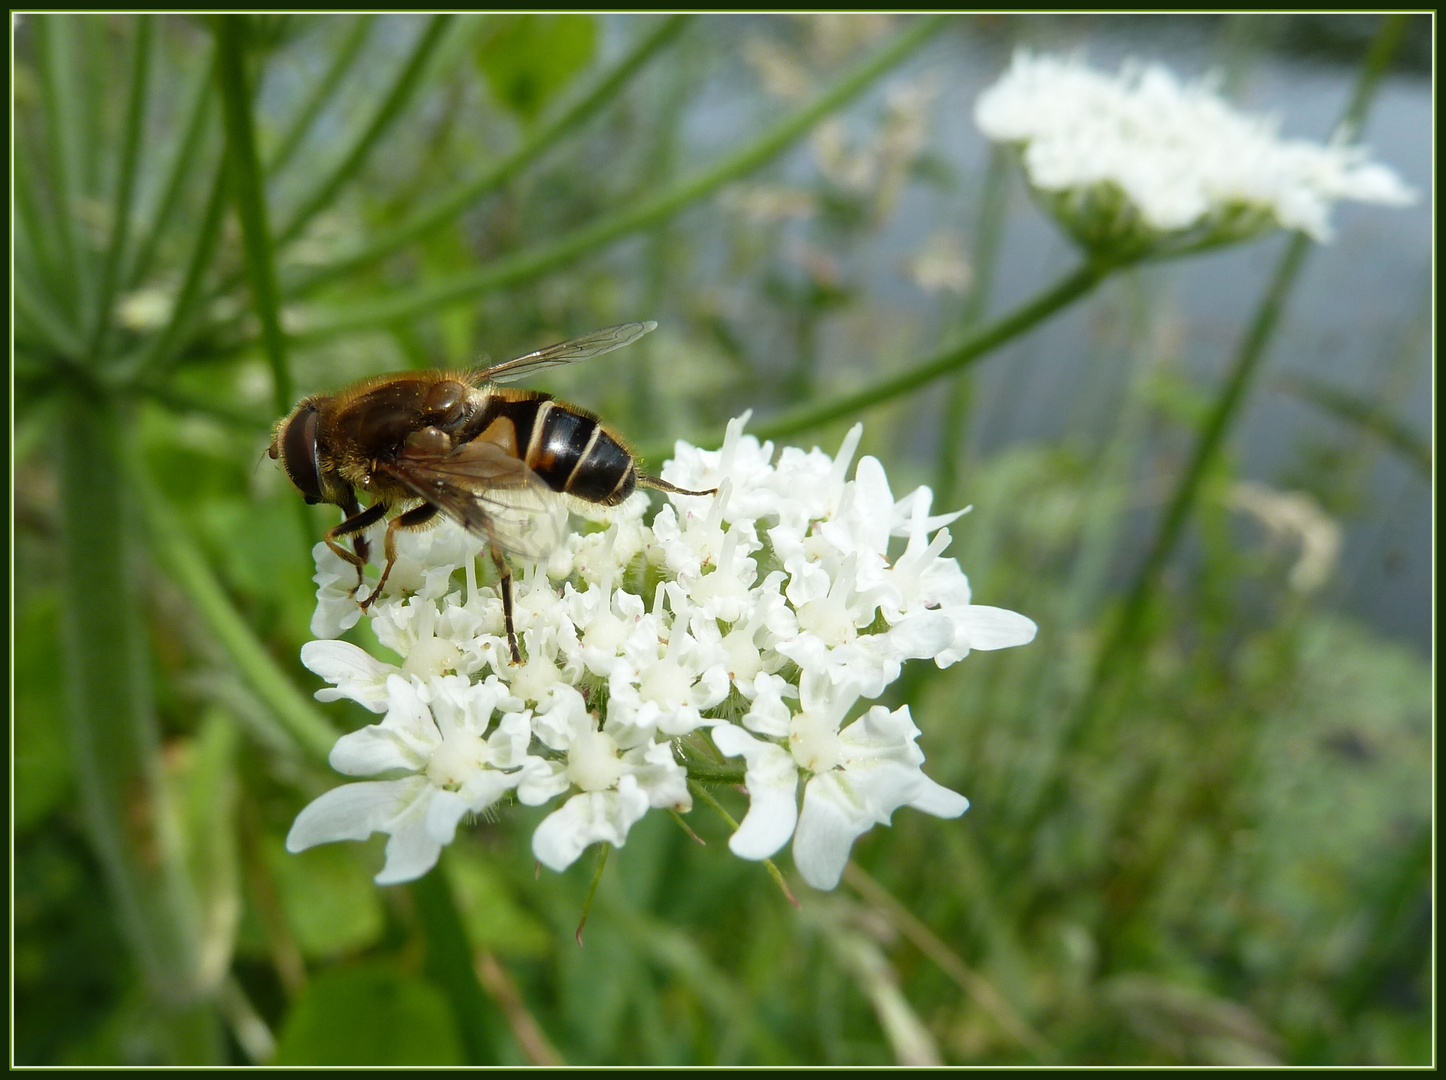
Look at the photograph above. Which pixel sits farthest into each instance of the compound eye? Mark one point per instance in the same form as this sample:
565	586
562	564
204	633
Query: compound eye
298	454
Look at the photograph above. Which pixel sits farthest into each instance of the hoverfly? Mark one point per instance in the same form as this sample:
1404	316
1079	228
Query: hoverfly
494	460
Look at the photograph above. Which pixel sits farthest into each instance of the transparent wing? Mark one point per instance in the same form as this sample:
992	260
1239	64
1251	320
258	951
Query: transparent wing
490	493
565	352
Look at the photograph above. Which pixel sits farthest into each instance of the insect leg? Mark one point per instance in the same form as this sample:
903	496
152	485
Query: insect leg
662	485
504	581
415	518
357	522
359	542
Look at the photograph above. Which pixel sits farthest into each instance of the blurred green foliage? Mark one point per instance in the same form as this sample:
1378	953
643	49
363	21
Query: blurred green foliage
1230	864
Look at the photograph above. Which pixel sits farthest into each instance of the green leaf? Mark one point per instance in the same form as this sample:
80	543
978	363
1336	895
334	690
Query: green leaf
530	57
369	1014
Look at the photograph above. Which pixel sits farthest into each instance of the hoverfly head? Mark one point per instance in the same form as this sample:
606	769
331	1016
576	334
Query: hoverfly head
295	444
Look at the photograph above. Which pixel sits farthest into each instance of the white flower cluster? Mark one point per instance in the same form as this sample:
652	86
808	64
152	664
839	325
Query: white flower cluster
742	625
1178	154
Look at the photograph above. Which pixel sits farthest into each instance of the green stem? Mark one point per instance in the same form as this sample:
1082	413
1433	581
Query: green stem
527	265
1228	405
768	864
993	202
341	63
1366	416
954	358
1207	448
349	167
604	849
713	774
445	209
35	235
244	169
115	741
1077	283
158	355
125	182
183	167
57	332
55	48
188	569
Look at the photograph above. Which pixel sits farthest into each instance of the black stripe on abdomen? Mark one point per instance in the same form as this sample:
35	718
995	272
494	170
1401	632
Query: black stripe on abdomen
555	446
521	413
573	453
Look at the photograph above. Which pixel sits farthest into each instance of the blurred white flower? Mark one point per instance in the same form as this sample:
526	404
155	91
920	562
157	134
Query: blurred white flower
754	618
941	265
1120	156
1293	515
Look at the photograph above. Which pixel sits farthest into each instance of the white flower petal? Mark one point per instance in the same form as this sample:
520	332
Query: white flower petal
589	818
411	852
375	749
482	789
354	673
772	781
354	811
934	798
830	822
980	627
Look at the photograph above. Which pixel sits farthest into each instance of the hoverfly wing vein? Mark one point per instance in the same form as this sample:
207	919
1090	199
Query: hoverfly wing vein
565	352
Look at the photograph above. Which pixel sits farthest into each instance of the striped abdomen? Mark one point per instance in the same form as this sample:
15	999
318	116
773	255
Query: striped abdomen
569	449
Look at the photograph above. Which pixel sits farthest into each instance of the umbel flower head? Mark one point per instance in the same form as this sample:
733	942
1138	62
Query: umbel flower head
753	624
1142	163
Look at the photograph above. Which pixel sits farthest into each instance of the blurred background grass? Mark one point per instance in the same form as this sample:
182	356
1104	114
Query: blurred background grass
1226	858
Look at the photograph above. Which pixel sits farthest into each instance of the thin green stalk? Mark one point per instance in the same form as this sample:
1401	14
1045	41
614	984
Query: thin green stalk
244	169
527	265
186	565
768	864
661	165
1187	489
1228	405
115	742
450	964
956	357
713	774
92	67
158	354
183	167
993	201
1368	417
36	256
444	210
58	71
349	168
56	331
597	875
321	94
125	183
